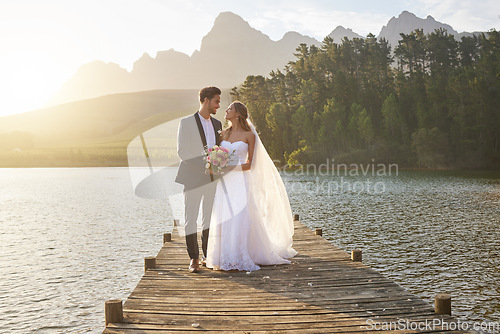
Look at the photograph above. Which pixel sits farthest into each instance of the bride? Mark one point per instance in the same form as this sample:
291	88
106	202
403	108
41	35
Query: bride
251	222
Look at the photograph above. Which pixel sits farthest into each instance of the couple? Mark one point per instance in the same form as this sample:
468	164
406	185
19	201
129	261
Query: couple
246	209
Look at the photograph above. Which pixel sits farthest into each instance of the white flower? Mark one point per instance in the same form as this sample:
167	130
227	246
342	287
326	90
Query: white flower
207	166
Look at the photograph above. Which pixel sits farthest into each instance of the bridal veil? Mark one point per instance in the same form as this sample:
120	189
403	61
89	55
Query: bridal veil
269	195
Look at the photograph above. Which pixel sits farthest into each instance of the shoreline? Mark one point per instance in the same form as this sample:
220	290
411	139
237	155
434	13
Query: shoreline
290	169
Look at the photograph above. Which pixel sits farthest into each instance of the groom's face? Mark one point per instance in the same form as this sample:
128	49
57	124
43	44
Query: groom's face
214	104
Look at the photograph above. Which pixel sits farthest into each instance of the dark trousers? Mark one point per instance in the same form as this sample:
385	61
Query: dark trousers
203	195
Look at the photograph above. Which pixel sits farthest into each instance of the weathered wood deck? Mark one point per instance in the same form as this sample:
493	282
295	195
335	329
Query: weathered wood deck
322	291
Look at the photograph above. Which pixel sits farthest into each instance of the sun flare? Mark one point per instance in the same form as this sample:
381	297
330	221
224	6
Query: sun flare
29	77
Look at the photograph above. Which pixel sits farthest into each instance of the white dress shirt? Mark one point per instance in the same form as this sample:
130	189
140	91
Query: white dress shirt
208	128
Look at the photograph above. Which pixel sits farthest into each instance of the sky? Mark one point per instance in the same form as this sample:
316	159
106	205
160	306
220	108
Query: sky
43	43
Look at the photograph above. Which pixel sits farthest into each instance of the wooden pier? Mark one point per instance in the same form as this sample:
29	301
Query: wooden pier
322	291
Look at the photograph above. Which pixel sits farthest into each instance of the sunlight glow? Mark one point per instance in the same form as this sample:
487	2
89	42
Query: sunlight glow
43	43
29	78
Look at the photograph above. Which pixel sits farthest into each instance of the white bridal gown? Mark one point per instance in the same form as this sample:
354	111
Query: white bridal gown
239	239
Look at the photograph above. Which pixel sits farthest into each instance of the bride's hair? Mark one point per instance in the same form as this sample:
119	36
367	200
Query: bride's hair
242	112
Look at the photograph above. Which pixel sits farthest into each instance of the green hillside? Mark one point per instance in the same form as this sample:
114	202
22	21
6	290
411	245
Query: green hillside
92	132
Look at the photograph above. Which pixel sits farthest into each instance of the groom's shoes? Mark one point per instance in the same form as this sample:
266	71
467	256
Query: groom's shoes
194	266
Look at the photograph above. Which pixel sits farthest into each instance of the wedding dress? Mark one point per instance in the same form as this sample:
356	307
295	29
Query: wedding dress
251	222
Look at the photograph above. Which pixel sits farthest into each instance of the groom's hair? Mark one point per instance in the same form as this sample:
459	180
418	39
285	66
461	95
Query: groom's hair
209	92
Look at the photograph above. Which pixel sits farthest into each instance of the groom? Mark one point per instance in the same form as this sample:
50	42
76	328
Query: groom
195	132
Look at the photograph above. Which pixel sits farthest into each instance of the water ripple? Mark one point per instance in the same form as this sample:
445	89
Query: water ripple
71	239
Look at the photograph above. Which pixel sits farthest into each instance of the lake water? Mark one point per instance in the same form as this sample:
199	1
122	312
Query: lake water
70	239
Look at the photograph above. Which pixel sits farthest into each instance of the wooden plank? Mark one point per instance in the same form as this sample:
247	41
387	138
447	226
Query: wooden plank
242	323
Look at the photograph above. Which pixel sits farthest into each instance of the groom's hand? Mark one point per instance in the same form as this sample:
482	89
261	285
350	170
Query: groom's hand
231	168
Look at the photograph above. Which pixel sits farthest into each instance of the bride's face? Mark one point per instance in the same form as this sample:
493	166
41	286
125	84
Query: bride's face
230	113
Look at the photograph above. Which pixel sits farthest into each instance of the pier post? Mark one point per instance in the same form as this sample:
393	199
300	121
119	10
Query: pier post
295	217
357	255
442	304
113	311
149	263
319	231
167	237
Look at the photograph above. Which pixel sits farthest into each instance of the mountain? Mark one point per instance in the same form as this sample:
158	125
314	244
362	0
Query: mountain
407	22
292	39
93	79
230	52
339	33
168	69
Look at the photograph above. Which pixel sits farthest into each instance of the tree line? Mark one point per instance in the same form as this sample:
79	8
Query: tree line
431	102
16	140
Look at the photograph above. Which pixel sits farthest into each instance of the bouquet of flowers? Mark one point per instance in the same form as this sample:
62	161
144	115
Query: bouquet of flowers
217	158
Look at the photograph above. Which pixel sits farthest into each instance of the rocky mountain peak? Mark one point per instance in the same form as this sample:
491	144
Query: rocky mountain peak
339	33
230	30
407	22
230	19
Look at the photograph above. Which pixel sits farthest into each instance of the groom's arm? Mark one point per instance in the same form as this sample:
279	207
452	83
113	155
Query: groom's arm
182	141
189	145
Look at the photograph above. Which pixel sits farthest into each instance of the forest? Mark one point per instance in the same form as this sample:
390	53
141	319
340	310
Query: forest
431	102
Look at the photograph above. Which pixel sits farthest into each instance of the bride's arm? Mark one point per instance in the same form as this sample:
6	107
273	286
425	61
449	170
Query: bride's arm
251	147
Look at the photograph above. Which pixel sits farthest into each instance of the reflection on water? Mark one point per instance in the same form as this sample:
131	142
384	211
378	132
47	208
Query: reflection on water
71	239
430	232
